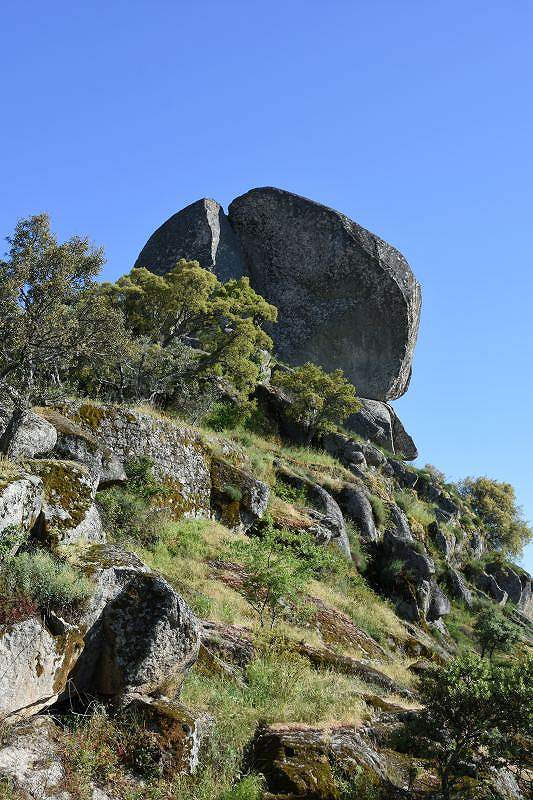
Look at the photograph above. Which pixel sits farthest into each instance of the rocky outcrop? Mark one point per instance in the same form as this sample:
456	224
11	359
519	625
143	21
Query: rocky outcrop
237	498
299	761
69	514
176	732
329	518
354	502
200	232
348	450
379	423
34	437
459	587
31	762
34	666
75	443
140	635
346	298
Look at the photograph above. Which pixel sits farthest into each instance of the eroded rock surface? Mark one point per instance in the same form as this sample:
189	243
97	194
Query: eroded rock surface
346	298
199	232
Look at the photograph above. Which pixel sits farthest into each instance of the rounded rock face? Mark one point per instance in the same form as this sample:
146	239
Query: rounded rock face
346	299
200	232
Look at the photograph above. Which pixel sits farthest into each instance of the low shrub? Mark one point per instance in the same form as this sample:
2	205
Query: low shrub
44	580
379	509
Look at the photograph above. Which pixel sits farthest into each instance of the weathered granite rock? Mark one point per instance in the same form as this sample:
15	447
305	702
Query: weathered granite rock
330	520
355	504
200	232
379	423
346	450
75	443
35	437
444	539
405	476
488	584
299	761
69	514
459	587
176	731
179	455
346	298
507	579
237	497
31	762
439	604
34	666
140	634
399	524
20	502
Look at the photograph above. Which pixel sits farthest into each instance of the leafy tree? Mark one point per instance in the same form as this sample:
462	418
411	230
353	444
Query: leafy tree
473	713
494	632
320	400
495	505
49	317
192	326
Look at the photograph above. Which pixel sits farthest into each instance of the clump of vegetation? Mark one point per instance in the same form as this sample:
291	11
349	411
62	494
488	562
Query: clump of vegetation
51	320
379	510
39	580
475	713
278	566
320	400
415	509
497	510
494	632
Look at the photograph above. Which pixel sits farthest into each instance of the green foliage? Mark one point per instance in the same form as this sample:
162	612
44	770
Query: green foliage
44	579
320	400
278	565
50	320
141	479
474	712
249	787
495	505
13	536
494	631
359	554
226	416
416	510
232	492
191	327
290	494
380	511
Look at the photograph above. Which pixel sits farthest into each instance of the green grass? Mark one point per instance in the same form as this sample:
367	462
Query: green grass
380	510
415	509
45	580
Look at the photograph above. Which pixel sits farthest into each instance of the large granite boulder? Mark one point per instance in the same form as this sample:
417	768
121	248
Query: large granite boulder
346	298
34	437
140	635
199	232
20	505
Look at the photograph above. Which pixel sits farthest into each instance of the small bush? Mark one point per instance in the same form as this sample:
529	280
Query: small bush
359	554
227	416
379	509
290	494
416	510
45	580
232	492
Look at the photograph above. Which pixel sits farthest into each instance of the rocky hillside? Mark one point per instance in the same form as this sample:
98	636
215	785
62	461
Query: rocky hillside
220	576
133	662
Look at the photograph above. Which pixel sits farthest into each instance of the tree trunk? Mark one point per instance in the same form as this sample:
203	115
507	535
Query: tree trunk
13	426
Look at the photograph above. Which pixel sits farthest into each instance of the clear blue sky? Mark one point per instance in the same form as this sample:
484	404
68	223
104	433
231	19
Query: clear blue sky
414	117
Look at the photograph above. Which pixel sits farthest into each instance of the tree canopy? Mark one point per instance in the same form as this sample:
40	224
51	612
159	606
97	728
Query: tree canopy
320	400
187	323
495	505
49	317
